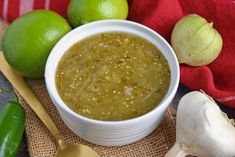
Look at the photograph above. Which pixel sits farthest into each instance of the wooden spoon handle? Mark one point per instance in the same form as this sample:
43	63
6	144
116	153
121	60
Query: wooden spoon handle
26	92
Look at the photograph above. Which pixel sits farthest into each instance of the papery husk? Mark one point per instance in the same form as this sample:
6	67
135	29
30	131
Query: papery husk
195	41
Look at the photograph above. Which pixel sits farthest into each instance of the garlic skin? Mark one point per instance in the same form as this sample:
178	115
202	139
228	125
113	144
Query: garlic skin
195	41
202	129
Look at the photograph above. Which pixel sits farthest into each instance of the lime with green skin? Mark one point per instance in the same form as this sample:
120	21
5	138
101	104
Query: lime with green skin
29	40
84	11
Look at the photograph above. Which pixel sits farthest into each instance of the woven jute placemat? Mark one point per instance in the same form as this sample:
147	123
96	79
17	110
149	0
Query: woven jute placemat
42	144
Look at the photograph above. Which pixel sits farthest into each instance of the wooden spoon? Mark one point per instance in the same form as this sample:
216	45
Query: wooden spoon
64	149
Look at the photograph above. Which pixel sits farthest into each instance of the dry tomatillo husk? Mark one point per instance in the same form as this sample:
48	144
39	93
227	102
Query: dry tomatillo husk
195	41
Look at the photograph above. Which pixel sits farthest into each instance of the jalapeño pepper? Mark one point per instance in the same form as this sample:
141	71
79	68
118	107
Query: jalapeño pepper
12	118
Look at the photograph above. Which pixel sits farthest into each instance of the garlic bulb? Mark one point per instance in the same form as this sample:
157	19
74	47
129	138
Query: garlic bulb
195	41
202	129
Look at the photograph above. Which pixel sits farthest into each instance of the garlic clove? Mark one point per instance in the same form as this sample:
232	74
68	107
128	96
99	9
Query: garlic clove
177	150
202	129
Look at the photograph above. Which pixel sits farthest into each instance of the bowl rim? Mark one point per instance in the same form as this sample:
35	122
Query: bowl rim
55	96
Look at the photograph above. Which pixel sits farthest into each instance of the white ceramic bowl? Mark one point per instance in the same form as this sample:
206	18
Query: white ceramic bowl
111	133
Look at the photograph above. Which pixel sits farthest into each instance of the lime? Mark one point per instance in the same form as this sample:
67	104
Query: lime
29	40
84	11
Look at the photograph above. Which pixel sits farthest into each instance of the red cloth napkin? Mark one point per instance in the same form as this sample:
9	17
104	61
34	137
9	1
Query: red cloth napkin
215	79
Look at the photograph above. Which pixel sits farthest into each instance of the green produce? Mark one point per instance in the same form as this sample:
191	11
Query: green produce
84	11
12	118
29	40
195	41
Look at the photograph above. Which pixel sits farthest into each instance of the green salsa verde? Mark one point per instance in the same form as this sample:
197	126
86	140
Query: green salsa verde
112	76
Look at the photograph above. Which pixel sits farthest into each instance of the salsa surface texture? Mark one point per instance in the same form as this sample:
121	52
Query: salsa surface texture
112	76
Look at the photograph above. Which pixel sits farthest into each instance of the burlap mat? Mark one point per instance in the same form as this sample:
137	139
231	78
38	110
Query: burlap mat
42	144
